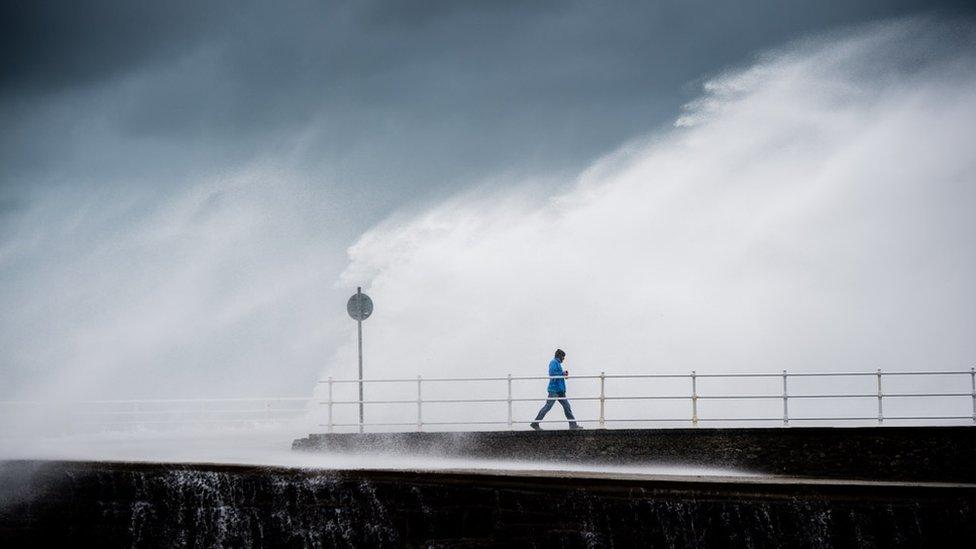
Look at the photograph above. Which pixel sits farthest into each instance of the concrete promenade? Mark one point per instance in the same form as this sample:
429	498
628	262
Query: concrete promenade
934	454
796	487
160	504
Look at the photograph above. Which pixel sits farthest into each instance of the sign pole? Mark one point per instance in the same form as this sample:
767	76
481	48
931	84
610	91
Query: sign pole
359	307
359	323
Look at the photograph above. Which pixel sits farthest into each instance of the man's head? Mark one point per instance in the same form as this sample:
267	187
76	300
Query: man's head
560	355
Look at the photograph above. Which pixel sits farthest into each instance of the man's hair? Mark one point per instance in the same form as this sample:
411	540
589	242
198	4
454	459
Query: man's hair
560	353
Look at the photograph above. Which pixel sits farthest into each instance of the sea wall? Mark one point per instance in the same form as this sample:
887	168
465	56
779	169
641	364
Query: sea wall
888	453
166	505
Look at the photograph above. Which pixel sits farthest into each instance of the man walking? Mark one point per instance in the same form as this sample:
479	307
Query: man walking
557	392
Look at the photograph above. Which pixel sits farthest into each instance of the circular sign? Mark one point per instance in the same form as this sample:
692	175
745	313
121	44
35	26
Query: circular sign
360	306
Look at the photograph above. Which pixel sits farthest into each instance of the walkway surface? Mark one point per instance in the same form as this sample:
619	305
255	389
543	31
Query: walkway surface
913	454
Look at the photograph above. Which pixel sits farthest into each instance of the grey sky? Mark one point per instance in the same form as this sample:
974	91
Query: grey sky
114	111
399	99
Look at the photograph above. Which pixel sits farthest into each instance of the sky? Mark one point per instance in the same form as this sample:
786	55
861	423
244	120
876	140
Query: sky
189	193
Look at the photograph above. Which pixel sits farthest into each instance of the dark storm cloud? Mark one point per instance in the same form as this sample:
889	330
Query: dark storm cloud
397	97
50	45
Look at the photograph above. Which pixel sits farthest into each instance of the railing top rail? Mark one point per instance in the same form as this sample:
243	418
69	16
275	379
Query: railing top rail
882	372
779	374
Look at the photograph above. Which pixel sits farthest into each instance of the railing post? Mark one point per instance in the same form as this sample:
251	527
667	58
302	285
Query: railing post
603	401
880	409
972	385
510	424
786	408
330	404
694	400
420	403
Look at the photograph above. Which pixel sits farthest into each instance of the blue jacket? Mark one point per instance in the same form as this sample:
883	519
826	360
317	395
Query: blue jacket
556	385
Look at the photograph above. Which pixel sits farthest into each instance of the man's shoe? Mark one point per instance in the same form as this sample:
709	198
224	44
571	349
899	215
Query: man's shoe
575	427
535	426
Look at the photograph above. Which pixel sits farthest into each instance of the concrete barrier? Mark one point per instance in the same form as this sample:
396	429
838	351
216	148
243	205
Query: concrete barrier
886	453
164	505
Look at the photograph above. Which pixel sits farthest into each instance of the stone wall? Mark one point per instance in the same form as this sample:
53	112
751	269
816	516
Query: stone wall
166	505
890	453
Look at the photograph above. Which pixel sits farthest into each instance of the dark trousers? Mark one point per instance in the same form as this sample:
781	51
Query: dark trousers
559	397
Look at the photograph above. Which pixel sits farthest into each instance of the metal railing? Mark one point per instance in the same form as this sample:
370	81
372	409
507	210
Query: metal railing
942	404
875	397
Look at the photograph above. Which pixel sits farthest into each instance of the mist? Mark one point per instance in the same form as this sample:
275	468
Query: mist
811	211
202	290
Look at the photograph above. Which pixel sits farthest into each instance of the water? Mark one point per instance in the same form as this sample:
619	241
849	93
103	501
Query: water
216	506
271	447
